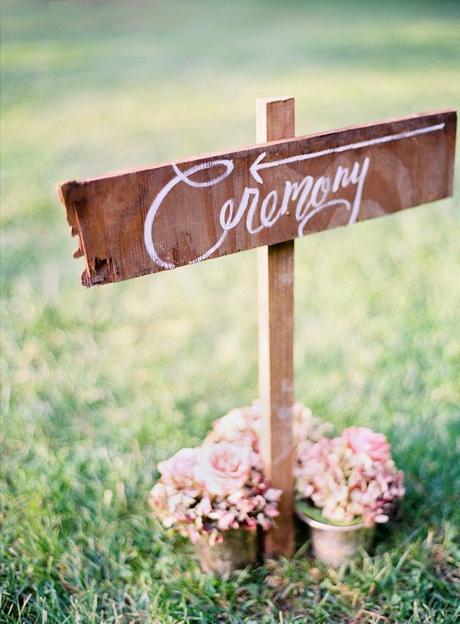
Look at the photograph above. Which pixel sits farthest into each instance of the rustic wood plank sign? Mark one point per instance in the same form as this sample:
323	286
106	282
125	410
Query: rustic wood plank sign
181	213
184	212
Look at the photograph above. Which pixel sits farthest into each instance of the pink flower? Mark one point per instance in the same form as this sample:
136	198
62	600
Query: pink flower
223	468
179	469
251	523
240	425
158	498
227	521
204	507
273	494
271	511
364	440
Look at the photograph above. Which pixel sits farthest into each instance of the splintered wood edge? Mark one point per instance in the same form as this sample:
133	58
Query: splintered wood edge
65	190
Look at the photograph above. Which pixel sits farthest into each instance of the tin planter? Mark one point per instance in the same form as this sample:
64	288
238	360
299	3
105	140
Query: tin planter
335	545
237	550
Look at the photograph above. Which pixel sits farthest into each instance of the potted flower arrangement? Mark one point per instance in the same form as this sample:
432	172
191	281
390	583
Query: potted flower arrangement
216	495
344	486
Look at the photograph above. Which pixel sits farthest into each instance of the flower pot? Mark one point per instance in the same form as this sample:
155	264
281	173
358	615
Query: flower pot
335	545
237	550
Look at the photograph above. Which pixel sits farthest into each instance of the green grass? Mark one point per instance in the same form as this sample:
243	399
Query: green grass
100	385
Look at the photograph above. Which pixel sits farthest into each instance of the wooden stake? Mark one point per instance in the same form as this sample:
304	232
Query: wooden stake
275	119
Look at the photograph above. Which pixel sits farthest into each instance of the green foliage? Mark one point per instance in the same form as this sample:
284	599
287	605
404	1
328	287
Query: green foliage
98	386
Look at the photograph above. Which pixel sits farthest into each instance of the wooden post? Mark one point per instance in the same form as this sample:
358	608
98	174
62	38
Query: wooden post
275	119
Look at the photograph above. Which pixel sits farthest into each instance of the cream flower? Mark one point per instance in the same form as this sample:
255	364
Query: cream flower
240	425
158	498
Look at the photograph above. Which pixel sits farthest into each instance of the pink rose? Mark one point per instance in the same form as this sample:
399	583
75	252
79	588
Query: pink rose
223	468
179	469
364	440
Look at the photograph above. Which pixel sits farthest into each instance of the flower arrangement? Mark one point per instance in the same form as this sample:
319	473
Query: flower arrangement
346	483
220	485
350	478
208	490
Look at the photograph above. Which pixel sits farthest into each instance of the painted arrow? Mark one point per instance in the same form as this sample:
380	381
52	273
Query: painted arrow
258	164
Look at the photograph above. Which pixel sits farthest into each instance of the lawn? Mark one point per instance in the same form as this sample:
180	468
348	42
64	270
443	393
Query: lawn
99	385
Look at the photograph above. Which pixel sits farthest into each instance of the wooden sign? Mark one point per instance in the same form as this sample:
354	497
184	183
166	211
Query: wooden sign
264	196
179	213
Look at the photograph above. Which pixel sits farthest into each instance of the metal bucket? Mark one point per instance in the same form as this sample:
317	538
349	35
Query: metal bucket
237	550
335	545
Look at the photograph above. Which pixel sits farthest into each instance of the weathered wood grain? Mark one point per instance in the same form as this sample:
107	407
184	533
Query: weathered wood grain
129	225
275	119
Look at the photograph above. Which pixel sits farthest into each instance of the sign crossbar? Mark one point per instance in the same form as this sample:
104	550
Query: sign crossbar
180	213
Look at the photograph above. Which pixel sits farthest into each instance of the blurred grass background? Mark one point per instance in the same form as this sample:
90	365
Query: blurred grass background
99	385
